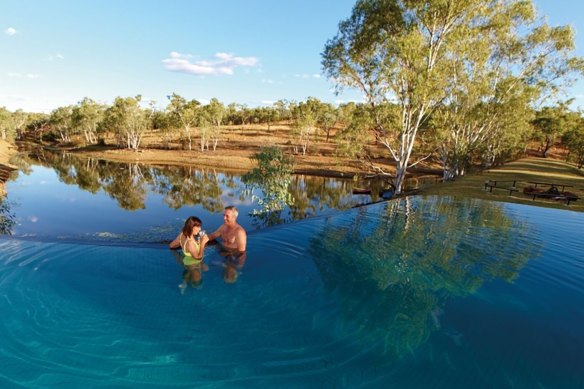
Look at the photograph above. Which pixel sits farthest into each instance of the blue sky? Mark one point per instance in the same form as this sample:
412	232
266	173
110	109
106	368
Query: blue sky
54	53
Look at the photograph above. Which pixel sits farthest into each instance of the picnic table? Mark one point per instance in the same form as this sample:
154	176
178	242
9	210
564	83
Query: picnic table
501	184
552	193
551	185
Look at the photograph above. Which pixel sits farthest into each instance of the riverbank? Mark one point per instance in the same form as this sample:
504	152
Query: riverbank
523	171
239	160
236	154
7	151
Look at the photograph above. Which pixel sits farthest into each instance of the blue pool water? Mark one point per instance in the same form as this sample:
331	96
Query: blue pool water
417	293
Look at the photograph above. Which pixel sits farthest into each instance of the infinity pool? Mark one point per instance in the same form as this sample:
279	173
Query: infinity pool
415	293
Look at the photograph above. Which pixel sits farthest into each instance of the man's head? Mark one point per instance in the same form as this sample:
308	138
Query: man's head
230	215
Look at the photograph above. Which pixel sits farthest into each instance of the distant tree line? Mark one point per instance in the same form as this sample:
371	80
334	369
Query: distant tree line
348	127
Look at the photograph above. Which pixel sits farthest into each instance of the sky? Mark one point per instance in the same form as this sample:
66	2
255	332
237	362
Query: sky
56	52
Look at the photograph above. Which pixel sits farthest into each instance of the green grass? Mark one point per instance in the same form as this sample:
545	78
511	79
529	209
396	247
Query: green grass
524	171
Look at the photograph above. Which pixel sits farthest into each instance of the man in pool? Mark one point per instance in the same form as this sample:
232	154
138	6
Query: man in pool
233	244
233	236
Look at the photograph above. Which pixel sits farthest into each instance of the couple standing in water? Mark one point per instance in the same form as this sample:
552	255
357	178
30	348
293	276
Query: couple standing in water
193	240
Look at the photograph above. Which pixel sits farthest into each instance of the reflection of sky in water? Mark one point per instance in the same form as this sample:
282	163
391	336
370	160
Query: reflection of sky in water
47	208
419	292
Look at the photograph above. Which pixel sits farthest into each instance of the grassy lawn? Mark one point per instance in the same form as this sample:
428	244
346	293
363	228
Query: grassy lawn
523	171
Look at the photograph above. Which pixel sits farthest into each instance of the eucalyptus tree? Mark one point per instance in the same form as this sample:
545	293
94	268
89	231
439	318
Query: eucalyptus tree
550	124
162	123
19	120
12	124
37	124
327	119
406	52
86	116
205	128
61	121
184	114
127	121
510	61
268	115
215	111
352	136
241	114
231	116
283	109
508	136
574	140
305	120
6	130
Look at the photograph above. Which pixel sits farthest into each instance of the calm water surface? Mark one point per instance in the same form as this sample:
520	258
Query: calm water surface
67	198
420	292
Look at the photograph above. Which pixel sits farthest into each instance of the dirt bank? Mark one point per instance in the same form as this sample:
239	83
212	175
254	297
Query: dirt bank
6	152
231	159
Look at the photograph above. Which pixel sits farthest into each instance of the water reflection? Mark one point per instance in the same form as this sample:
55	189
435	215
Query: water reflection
179	187
408	261
7	218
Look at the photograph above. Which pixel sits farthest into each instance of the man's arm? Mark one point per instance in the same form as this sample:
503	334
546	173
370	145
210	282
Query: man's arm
241	240
216	234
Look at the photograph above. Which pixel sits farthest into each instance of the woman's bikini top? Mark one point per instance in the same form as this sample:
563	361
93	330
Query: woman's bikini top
188	258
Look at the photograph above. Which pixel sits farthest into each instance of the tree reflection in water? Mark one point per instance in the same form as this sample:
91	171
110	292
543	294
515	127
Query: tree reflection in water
129	184
7	218
392	274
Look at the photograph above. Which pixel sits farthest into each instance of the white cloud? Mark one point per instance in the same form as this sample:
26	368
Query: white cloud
20	75
267	81
267	102
10	31
55	57
306	76
223	63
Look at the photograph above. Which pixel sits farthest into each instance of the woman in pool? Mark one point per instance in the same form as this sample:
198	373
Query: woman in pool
192	240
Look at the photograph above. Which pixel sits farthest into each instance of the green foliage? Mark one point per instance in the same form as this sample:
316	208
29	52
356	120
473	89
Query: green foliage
357	121
127	121
574	140
463	61
86	116
272	176
61	121
183	114
550	124
7	217
7	132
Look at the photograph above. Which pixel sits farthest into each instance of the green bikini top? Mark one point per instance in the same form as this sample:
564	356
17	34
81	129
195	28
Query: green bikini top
188	258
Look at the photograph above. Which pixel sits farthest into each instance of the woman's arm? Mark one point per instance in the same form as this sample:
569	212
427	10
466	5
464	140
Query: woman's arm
175	244
202	243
